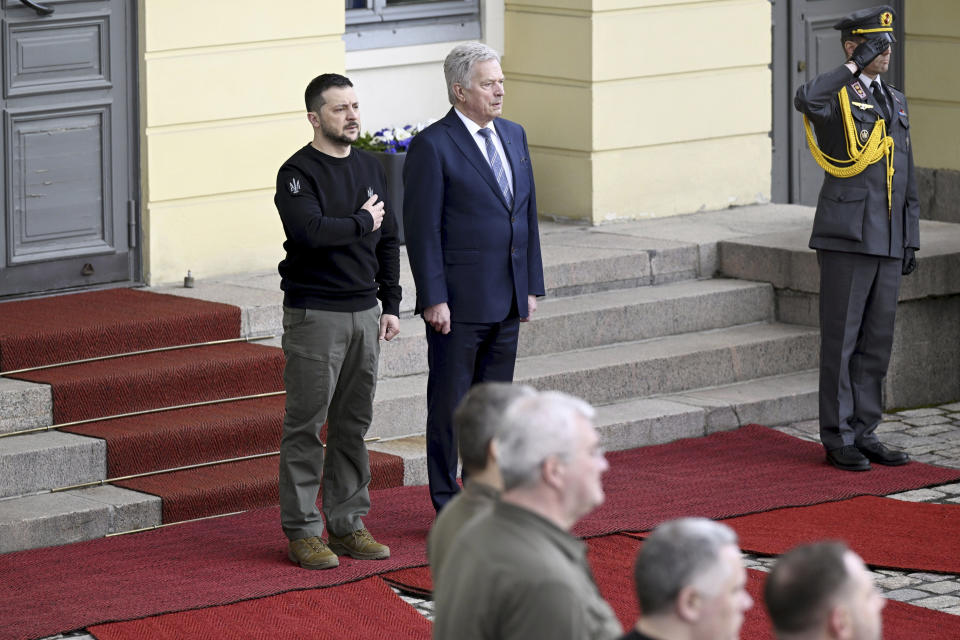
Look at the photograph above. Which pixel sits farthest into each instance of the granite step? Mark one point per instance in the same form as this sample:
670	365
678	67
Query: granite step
925	361
24	405
663	365
607	317
58	518
33	462
640	422
575	262
48	519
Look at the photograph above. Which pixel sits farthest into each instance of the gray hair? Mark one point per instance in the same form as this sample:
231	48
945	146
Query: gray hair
535	428
479	414
459	63
677	554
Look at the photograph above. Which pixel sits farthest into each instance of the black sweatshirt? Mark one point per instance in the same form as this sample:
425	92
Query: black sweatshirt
334	261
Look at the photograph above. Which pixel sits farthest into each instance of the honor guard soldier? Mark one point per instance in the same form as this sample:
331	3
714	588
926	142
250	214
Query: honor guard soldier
865	232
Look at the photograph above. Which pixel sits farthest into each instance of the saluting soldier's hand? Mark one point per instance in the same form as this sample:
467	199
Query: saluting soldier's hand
375	210
867	50
909	261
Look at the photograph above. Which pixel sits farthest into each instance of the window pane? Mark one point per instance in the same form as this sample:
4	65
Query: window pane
356	4
400	3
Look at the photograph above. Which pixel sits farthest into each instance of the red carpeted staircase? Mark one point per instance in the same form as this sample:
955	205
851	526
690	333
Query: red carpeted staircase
102	323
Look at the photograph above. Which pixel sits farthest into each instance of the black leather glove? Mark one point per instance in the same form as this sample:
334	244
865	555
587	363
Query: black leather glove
909	261
867	50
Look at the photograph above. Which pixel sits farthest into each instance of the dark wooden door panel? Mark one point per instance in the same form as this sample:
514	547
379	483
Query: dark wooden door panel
59	185
68	146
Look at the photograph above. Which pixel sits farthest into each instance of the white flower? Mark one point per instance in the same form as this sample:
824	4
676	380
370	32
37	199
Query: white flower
401	134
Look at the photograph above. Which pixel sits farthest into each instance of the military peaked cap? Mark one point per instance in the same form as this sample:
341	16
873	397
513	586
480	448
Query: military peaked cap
875	22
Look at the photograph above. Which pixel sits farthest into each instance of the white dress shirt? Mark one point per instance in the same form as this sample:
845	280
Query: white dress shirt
473	128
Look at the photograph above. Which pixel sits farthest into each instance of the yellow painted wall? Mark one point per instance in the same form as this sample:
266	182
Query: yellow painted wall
221	86
932	50
625	119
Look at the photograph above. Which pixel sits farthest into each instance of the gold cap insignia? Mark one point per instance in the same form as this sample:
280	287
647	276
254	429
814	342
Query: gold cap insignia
886	18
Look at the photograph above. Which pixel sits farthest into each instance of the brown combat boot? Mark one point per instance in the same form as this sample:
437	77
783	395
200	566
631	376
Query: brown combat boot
360	545
312	553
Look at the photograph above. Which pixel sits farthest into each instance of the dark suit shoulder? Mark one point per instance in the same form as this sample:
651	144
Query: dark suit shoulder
509	124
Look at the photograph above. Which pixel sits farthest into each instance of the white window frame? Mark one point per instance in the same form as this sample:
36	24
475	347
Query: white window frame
379	26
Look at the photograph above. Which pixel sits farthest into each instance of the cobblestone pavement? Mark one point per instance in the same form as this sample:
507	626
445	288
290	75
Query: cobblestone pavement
929	435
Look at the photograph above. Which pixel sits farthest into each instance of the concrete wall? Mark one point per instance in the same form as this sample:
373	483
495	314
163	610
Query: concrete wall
932	50
221	87
626	119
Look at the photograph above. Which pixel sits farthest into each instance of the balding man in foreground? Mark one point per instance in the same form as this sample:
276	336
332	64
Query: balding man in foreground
823	591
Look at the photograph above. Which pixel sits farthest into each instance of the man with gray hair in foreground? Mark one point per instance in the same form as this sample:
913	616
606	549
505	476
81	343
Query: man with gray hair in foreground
517	572
475	422
823	591
691	583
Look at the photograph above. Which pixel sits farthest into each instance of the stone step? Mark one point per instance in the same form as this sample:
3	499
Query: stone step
575	262
562	324
59	518
49	519
641	422
48	460
24	405
925	361
783	259
608	317
670	364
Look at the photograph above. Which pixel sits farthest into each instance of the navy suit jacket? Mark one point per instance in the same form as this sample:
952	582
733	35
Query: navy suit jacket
465	245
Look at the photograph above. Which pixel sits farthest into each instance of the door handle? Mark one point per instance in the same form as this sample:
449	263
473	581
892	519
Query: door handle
39	8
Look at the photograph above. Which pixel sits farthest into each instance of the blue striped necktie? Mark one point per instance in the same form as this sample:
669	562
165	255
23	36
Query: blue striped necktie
494	159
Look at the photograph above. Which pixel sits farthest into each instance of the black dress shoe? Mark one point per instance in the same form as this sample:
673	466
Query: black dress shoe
881	455
848	458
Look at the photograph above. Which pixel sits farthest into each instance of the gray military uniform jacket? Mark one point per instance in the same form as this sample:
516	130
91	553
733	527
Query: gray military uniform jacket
852	213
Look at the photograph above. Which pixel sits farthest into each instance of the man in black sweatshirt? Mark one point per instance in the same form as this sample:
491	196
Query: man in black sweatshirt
342	254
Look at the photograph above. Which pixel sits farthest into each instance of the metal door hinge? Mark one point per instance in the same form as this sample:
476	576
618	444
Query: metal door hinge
132	231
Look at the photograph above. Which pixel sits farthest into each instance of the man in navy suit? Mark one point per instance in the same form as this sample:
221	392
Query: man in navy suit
470	217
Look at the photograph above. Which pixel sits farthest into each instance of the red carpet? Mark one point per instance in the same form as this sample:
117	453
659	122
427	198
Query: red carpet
885	532
238	486
195	565
83	325
188	436
363	609
734	473
415	581
165	379
611	560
